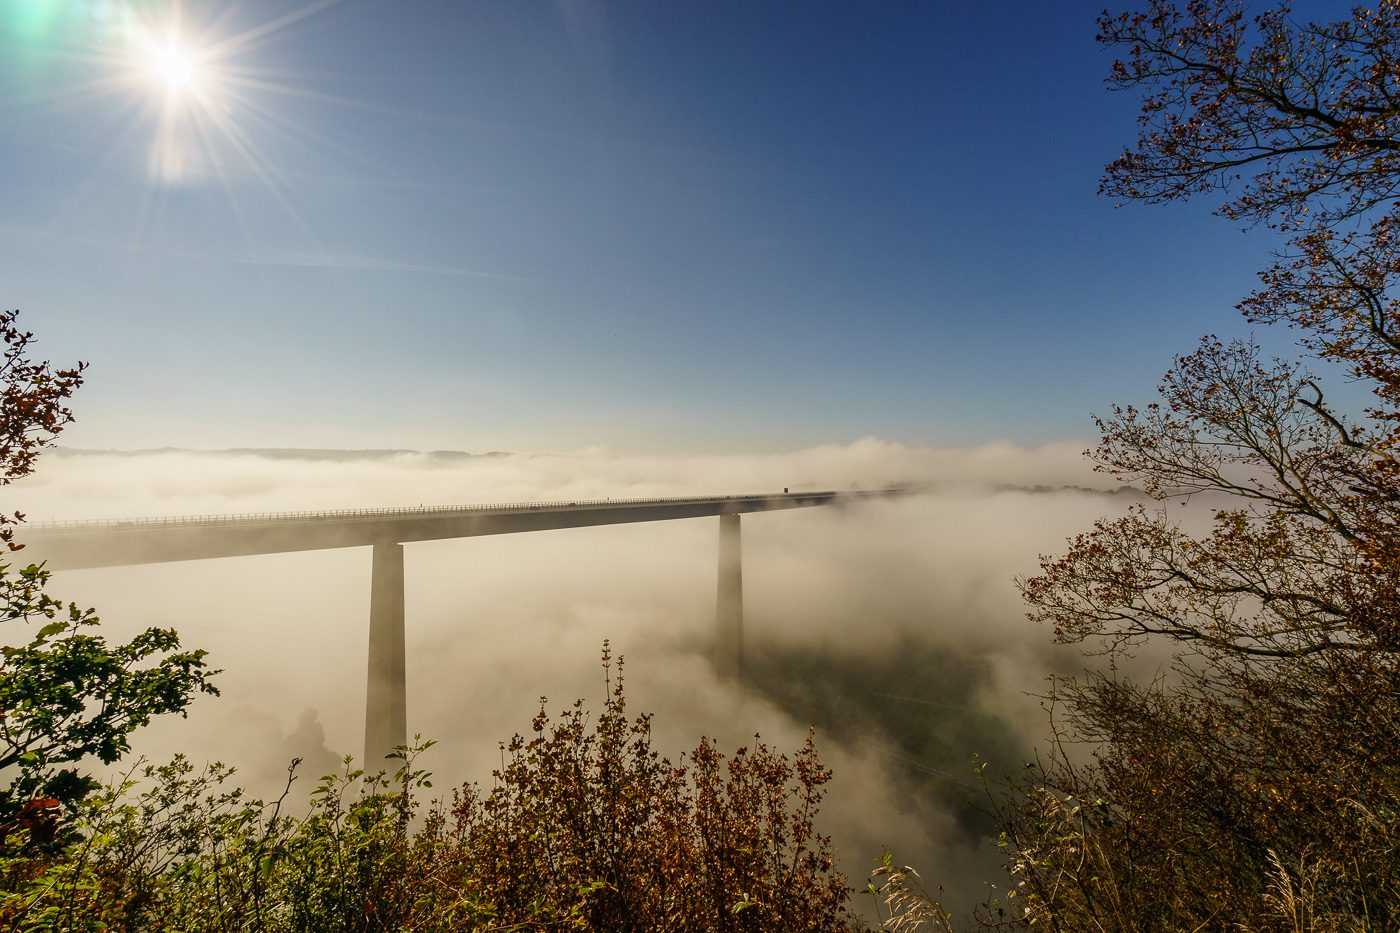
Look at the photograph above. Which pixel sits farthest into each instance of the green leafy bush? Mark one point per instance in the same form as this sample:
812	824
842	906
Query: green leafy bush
65	694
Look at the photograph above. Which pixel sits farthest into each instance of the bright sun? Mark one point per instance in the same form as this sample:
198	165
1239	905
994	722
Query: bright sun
185	75
173	66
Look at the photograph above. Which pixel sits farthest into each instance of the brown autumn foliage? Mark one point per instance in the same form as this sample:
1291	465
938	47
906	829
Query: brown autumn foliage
1256	784
33	409
586	828
596	825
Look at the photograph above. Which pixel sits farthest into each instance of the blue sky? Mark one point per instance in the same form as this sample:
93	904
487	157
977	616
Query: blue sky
654	227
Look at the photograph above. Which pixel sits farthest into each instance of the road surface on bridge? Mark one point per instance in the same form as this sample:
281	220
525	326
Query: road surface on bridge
119	542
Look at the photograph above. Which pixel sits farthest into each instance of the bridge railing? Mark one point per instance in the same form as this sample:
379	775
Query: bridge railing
255	518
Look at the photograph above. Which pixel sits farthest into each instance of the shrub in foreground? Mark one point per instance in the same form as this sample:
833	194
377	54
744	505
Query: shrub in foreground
584	829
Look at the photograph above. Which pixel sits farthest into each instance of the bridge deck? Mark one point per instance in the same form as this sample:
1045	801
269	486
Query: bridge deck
119	542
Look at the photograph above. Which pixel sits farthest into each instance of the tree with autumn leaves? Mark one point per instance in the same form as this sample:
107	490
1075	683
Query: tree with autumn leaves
1256	784
65	694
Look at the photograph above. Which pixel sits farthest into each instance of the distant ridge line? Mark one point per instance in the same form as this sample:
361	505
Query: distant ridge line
281	453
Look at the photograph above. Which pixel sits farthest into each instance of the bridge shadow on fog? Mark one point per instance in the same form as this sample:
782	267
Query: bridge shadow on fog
915	703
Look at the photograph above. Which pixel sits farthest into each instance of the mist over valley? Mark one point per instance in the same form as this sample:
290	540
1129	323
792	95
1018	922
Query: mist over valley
892	626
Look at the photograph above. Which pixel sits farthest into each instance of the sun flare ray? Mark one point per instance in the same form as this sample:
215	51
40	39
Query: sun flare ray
186	77
179	71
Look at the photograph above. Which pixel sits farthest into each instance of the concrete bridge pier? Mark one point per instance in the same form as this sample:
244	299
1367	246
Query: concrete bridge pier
386	717
729	602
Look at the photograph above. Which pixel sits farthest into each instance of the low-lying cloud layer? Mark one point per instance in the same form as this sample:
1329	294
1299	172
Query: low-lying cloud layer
893	625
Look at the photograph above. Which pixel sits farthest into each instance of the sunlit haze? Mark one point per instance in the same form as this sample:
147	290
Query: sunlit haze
904	605
351	254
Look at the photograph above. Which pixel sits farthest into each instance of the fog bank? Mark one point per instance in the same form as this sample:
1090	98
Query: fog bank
892	625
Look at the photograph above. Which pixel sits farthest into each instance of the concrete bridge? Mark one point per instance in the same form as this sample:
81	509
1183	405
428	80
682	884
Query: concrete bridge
113	543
